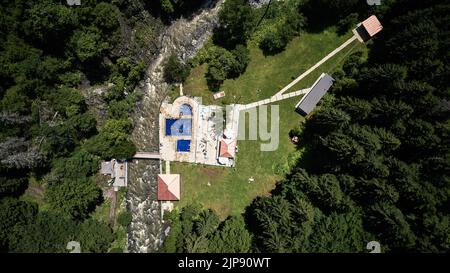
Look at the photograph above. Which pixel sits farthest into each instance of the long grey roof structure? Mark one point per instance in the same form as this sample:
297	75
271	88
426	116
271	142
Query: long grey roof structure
317	91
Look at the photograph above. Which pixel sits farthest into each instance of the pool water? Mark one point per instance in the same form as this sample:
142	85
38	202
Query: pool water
183	145
185	110
179	127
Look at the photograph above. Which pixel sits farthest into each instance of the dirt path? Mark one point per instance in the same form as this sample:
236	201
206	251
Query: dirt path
112	209
35	192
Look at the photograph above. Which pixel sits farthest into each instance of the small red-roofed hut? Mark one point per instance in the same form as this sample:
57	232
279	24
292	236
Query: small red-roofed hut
168	187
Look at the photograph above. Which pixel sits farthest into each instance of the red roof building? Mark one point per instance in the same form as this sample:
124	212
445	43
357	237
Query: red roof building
168	187
372	25
227	148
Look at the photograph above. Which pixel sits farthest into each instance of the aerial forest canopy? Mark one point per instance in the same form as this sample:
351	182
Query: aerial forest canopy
376	161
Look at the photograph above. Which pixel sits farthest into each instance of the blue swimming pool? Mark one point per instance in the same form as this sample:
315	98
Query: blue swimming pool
179	127
185	110
183	145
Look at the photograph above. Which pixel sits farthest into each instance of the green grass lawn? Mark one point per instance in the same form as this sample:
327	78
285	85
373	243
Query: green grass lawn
230	191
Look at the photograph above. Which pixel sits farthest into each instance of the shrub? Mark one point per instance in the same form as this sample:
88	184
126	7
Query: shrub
273	42
221	66
175	71
124	218
348	22
242	56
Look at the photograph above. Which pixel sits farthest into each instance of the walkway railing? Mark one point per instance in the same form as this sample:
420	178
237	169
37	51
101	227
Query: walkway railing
146	155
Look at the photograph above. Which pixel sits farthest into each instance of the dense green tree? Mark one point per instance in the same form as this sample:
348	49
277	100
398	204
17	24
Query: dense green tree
224	64
176	7
273	42
12	185
233	237
207	223
204	224
389	224
340	233
113	140
167	6
370	191
94	236
420	136
278	23
383	79
47	21
175	71
242	56
438	237
347	23
14	100
87	44
220	67
48	233
321	13
389	142
416	195
365	137
328	120
343	147
171	241
387	112
66	126
371	166
187	217
357	109
76	198
196	244
124	218
324	191
106	16
80	164
236	23
281	226
14	213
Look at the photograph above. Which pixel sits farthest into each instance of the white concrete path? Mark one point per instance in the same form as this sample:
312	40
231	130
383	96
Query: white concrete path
274	99
167	167
307	72
146	155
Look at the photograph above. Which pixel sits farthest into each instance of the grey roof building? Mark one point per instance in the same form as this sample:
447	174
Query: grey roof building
317	91
117	170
